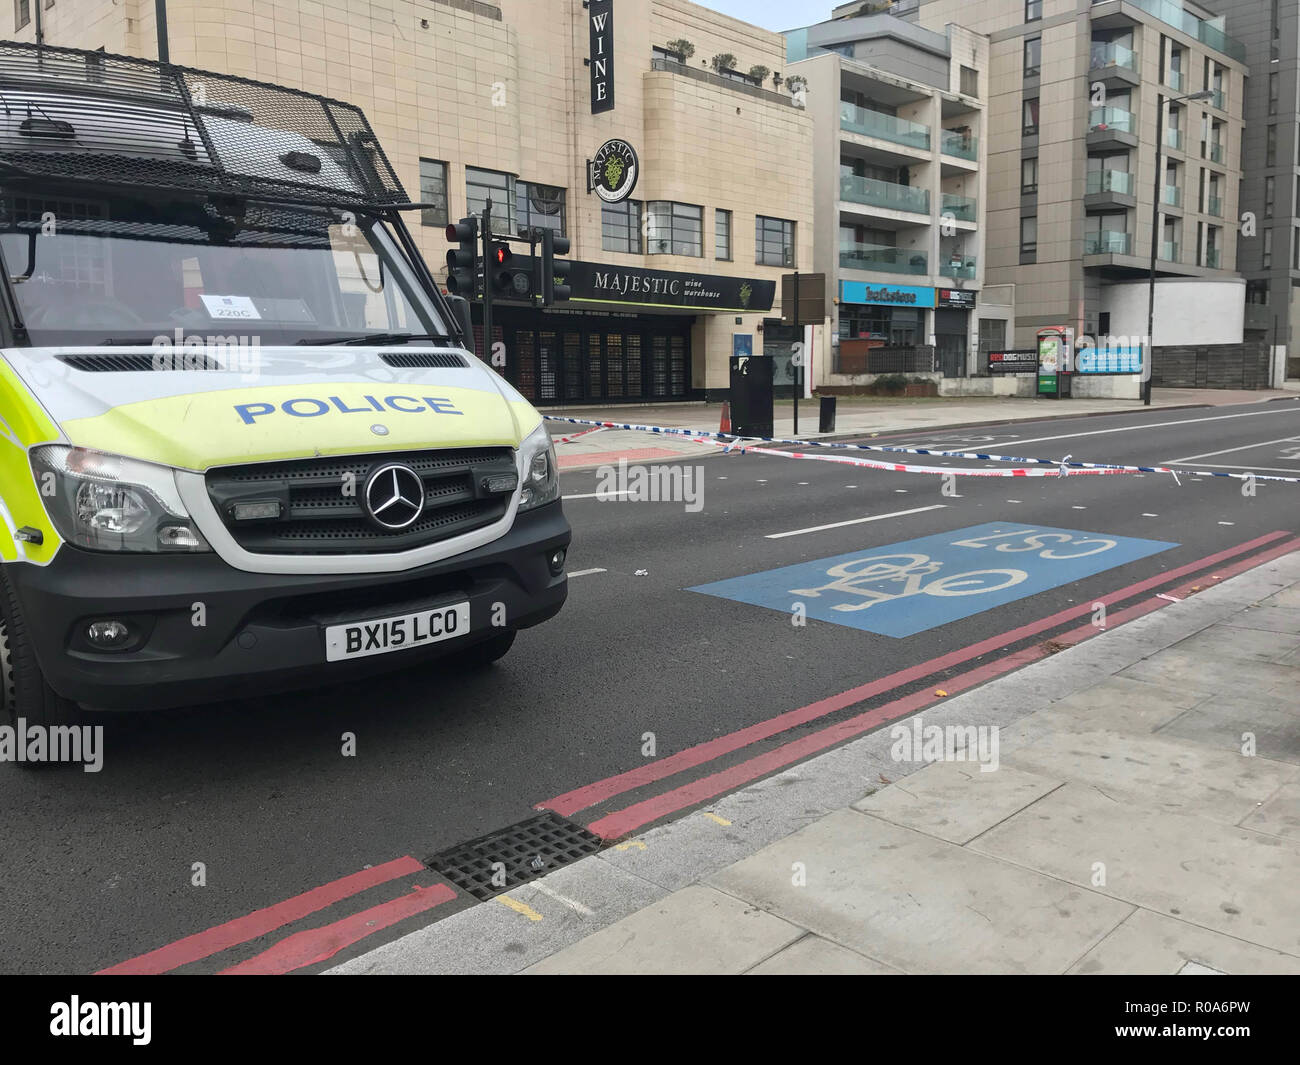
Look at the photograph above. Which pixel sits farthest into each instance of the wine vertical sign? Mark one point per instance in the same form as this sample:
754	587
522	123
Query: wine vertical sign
601	14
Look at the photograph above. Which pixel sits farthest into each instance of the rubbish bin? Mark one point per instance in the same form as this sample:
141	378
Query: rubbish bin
826	424
751	395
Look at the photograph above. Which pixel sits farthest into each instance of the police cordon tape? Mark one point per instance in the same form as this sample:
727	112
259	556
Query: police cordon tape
1063	467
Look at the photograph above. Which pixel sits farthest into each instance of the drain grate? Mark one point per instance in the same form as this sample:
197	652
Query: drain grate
495	863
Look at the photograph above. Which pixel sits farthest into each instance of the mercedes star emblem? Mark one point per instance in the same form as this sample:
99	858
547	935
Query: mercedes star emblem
394	497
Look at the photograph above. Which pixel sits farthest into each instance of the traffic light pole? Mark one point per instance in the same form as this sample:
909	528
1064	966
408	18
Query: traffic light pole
487	282
798	369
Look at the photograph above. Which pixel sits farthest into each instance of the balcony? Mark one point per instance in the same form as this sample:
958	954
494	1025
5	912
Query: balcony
1113	65
1174	139
1212	152
1214	206
959	266
962	208
884	194
1108	188
1176	80
1111	127
860	120
1218	100
1170	251
1172	196
1213	258
959	145
1171	12
881	259
1107	242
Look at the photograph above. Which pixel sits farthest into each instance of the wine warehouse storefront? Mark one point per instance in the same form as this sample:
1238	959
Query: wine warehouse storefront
627	335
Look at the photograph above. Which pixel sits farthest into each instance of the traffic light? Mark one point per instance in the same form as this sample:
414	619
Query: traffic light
509	275
555	272
463	262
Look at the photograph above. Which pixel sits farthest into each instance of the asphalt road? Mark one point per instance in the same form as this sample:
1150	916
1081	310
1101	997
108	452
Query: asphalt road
97	868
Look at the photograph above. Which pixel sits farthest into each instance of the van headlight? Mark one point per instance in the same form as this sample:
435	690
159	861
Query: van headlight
541	475
110	503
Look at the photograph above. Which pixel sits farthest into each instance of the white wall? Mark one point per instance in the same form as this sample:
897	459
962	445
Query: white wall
1188	311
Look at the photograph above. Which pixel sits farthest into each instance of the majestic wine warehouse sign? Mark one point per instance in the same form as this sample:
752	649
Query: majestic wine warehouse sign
602	283
601	15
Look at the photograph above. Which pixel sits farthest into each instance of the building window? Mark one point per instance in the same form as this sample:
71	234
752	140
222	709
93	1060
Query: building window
1033	10
1273	94
480	185
1270	149
1033	56
674	228
1257	292
22	13
773	242
1029	175
1270	192
620	225
541	207
1031	118
1029	238
1267	260
722	235
970	82
433	190
993	334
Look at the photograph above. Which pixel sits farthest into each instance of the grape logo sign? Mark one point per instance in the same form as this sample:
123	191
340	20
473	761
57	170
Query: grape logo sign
901	589
614	171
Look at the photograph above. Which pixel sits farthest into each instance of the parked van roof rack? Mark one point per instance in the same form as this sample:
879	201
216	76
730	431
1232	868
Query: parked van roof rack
91	117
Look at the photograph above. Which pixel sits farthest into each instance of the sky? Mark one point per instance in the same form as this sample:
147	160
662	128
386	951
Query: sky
775	14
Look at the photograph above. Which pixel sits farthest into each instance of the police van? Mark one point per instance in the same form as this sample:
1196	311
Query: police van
244	445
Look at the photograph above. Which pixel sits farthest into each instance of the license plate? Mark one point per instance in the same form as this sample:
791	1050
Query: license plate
361	639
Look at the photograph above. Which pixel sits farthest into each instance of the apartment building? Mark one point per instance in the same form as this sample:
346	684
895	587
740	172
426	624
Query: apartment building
900	135
513	99
1076	202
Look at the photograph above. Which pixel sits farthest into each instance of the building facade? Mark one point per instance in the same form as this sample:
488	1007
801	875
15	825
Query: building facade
512	100
900	188
1076	202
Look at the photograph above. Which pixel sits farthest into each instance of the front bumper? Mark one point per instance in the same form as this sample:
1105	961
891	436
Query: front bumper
207	631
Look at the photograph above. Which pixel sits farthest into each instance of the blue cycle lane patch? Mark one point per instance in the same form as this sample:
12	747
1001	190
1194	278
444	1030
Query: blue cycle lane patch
901	589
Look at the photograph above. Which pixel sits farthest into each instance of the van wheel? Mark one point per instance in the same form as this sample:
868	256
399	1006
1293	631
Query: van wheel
486	652
22	684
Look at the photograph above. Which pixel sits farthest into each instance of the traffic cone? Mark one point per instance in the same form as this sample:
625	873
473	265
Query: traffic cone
724	426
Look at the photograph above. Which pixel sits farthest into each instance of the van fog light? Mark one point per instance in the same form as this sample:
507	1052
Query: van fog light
556	562
108	634
180	536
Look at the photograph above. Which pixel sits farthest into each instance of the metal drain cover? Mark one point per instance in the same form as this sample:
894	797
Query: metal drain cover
501	860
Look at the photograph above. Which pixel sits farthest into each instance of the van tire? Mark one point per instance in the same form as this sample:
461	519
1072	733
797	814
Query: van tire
484	653
23	687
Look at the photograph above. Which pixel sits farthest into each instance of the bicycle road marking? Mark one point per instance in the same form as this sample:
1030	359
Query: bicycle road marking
901	589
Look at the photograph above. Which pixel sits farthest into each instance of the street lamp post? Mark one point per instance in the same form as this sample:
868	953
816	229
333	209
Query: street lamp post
1161	101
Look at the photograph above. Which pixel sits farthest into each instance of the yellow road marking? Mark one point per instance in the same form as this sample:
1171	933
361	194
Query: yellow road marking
721	820
519	907
630	843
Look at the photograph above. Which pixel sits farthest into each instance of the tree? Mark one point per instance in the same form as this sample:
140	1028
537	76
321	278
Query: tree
682	47
723	61
759	73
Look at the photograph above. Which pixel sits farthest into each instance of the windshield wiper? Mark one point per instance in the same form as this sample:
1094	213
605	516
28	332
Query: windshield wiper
377	338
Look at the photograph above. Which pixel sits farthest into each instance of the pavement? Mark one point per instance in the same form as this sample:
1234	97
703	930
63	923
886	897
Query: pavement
857	417
1129	805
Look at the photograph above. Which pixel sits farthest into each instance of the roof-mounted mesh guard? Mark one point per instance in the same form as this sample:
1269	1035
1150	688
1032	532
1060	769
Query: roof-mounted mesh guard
114	120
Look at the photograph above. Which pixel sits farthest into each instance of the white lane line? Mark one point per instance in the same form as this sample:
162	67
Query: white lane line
1282	409
856	521
1150	515
1227	523
587	572
563	900
1230	450
1078	508
1292	470
601	495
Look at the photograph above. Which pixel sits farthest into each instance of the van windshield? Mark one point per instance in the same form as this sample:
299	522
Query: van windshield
120	270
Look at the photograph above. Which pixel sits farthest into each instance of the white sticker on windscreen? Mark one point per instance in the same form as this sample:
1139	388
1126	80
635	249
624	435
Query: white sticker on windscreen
230	307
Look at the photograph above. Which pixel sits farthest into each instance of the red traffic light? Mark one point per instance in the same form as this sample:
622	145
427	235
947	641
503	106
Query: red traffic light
501	254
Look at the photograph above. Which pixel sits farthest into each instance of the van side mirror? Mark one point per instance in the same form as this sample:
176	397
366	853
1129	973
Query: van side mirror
464	320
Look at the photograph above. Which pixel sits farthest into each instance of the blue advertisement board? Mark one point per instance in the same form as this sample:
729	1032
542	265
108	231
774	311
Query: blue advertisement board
894	295
1109	360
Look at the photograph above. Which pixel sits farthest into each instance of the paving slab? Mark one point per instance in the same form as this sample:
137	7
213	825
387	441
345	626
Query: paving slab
814	956
1226	879
1279	815
921	904
1120	704
1152	944
693	931
1270	618
1220	672
956	801
1239	642
1225	721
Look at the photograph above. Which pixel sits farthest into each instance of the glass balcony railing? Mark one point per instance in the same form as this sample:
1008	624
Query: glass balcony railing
1110	118
1171	12
1174	139
1112	55
1107	242
1213	258
1170	251
1214	206
883	259
961	145
1175	80
1218	99
962	208
1213	152
1173	196
1110	181
891	128
884	194
958	266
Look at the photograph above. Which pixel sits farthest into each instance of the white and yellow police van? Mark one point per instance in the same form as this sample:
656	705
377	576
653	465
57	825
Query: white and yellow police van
243	445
